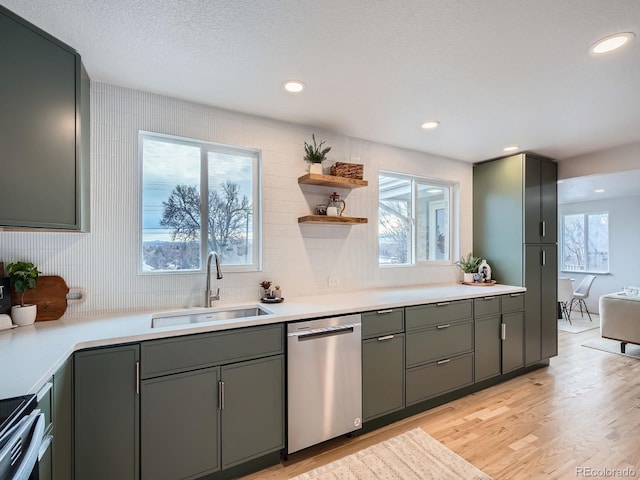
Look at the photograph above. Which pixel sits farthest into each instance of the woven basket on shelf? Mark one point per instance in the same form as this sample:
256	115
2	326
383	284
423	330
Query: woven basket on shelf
347	170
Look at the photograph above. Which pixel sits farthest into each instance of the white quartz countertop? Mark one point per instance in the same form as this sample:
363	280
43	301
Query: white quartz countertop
29	356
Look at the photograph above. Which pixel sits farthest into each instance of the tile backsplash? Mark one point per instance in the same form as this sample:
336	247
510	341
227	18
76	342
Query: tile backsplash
298	257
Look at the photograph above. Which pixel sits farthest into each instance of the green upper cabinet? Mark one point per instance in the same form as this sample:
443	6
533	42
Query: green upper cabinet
540	198
44	130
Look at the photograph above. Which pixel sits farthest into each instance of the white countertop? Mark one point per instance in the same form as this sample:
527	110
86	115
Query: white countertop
29	356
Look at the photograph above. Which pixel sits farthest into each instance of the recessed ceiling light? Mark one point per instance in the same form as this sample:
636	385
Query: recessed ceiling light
600	190
293	86
431	124
611	43
511	148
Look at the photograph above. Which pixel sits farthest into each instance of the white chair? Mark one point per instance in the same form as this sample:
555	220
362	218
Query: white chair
582	293
565	297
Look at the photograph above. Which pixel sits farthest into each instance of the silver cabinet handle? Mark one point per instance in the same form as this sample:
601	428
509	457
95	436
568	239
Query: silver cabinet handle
446	325
443	304
489	298
543	228
514	294
442	362
138	378
503	331
544	257
387	337
221	394
382	312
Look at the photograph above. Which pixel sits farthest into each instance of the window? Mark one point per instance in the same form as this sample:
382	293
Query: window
414	220
176	216
585	242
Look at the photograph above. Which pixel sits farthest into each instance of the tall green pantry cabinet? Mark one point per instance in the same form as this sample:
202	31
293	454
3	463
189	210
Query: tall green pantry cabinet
515	228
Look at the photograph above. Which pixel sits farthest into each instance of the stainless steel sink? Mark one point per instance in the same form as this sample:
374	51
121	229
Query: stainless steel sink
209	315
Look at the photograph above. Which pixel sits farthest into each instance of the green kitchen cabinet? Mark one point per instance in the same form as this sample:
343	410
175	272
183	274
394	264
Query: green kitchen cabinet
515	229
62	413
44	134
211	401
512	341
488	345
252	413
180	425
383	375
106	415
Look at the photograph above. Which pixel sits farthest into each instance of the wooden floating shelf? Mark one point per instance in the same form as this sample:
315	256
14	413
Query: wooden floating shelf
331	181
332	220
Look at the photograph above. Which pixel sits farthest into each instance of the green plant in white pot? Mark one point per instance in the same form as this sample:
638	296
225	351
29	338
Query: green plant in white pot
315	155
469	266
23	277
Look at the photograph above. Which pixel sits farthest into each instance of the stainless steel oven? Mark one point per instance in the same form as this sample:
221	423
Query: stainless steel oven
21	434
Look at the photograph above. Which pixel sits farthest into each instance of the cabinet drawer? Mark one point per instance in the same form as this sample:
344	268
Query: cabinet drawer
513	302
161	357
437	313
382	322
437	378
486	306
437	343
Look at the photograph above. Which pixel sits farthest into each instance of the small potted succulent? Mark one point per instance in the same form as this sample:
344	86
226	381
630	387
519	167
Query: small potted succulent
23	277
315	155
266	289
469	266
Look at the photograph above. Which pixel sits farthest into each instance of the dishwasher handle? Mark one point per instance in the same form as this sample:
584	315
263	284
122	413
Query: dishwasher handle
324	332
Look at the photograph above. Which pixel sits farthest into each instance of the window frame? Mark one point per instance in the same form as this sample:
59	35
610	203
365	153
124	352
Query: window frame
416	180
257	204
585	216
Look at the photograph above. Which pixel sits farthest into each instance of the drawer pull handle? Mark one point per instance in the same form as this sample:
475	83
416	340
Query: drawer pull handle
514	294
443	304
382	312
446	325
489	298
442	362
387	337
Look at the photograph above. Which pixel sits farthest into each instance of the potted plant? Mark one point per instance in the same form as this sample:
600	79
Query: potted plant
23	277
469	266
266	288
315	155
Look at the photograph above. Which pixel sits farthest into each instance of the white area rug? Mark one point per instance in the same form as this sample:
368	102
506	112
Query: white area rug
414	455
613	346
579	324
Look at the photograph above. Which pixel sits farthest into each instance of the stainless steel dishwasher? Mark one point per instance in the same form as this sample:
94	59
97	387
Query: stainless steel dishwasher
324	373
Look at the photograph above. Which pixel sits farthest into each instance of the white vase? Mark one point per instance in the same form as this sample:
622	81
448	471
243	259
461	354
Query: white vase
468	277
23	316
315	168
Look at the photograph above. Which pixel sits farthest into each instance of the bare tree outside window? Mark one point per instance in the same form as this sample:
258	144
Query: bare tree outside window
585	242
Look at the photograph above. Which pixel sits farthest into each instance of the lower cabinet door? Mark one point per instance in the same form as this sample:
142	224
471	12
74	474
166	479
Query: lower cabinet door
513	341
382	375
487	348
179	428
252	409
106	414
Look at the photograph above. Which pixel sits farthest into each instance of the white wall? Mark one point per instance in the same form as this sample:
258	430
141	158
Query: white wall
617	159
624	232
298	257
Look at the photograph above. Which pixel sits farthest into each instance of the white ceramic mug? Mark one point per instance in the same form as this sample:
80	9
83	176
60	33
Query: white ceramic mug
332	211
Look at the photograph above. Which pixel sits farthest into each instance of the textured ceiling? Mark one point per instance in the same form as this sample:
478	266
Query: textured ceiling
493	72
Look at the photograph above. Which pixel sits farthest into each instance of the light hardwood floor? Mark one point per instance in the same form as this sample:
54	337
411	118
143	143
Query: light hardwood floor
582	411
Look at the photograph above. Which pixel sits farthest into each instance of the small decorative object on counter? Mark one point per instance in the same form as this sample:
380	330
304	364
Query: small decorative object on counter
485	271
277	292
23	277
266	288
315	155
469	266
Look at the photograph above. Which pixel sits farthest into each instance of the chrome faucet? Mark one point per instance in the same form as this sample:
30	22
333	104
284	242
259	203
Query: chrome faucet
208	296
